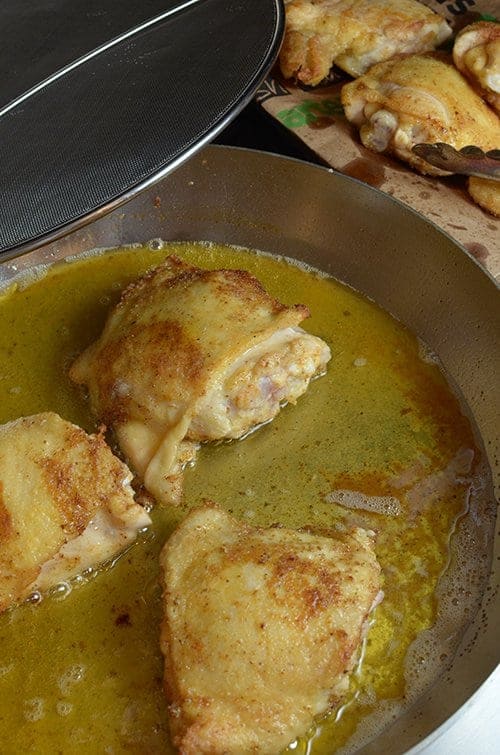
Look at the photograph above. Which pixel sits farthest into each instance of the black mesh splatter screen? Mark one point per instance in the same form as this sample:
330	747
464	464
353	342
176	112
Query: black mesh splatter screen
129	113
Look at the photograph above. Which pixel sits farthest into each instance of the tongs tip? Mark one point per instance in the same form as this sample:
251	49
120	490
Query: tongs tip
469	160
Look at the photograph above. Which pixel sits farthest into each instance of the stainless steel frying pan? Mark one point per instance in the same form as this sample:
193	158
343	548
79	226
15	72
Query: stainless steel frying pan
382	249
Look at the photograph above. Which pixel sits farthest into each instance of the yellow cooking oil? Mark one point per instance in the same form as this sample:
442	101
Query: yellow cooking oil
379	441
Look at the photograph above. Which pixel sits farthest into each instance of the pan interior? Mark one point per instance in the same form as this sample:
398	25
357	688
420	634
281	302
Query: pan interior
396	453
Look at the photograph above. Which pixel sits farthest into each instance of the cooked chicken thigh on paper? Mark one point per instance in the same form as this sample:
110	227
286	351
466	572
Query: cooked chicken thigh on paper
192	355
476	53
486	193
354	34
418	98
261	628
65	505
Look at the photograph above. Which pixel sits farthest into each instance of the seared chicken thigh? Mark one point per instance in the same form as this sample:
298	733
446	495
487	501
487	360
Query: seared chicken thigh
476	53
354	34
192	355
261	629
486	193
65	505
414	99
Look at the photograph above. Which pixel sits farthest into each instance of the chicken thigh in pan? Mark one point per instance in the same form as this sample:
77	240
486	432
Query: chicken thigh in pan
261	628
192	355
65	505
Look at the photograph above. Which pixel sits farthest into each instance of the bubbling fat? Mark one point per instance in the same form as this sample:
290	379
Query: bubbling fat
458	594
380	504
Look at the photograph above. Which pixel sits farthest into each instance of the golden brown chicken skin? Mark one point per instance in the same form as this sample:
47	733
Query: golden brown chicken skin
414	99
476	54
354	35
65	505
192	355
261	628
486	193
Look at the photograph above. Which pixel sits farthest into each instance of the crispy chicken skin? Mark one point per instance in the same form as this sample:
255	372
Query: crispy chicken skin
476	53
418	98
261	628
65	505
354	34
192	355
486	193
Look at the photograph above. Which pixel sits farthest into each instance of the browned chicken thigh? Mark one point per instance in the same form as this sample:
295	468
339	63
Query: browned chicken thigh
354	34
66	505
261	629
418	98
486	193
476	53
192	355
422	99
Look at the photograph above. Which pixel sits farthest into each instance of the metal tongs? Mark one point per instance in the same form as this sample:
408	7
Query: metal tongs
469	161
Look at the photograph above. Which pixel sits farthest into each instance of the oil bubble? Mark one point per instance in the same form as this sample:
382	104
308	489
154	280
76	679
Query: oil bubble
34	709
63	708
35	598
70	677
61	591
156	244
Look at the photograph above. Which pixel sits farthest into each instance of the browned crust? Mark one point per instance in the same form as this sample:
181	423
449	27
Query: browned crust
468	38
319	34
287	580
77	489
485	193
67	476
174	272
170	357
5	518
289	574
171	352
491	31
